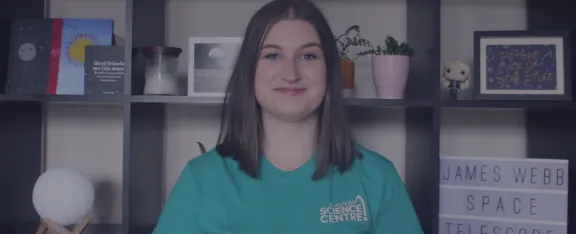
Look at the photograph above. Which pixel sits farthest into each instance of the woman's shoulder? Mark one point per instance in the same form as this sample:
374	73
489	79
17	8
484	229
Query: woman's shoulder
211	156
387	195
210	162
374	162
374	168
212	172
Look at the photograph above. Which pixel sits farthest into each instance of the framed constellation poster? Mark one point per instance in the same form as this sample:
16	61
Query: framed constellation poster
522	65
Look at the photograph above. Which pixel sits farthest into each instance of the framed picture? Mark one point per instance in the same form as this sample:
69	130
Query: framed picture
210	64
522	65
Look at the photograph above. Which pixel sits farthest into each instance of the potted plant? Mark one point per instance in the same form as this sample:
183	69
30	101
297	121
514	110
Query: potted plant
350	39
390	65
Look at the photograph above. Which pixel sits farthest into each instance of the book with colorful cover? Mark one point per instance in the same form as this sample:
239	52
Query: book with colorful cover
47	55
76	34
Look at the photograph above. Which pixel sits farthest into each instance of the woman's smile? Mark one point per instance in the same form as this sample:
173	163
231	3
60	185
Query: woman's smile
290	91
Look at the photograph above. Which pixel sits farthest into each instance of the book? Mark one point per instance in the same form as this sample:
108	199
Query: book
76	34
47	56
29	56
104	70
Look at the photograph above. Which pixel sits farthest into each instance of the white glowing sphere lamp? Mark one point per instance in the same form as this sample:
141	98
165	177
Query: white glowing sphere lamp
64	196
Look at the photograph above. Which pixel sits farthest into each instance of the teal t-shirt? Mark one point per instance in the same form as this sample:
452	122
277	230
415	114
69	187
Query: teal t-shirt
213	196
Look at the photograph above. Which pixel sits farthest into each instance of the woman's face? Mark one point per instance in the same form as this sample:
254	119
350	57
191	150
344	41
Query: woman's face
290	80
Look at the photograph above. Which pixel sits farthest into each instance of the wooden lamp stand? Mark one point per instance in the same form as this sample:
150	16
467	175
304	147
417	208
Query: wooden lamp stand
47	224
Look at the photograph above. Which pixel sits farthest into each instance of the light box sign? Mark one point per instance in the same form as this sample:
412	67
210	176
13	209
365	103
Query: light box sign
503	196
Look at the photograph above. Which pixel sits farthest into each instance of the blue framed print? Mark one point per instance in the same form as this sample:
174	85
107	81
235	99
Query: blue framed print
522	65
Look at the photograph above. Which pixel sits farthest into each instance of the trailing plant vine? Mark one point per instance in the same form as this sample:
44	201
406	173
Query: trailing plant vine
346	41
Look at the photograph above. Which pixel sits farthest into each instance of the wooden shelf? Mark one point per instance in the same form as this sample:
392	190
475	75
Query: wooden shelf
374	102
360	102
110	99
508	104
62	98
366	102
216	101
550	126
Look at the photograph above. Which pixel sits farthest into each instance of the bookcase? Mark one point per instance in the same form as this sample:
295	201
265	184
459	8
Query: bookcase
550	126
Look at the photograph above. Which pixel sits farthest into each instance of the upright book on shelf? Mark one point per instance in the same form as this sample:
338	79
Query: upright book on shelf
29	56
47	55
76	35
104	70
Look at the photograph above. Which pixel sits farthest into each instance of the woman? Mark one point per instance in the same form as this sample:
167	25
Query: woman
285	161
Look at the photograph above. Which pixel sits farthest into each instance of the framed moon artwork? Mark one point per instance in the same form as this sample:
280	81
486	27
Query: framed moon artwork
522	65
210	64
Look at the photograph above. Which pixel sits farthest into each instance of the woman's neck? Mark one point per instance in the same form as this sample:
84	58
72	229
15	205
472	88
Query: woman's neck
289	145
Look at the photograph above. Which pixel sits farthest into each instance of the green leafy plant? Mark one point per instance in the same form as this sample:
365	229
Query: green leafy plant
201	147
392	47
349	39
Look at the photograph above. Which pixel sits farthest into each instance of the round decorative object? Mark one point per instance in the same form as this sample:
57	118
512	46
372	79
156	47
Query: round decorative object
27	52
64	196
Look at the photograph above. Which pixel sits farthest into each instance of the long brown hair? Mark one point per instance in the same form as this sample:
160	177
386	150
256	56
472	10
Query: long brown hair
241	124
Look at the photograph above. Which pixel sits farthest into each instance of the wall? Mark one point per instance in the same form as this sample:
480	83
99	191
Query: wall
90	137
493	132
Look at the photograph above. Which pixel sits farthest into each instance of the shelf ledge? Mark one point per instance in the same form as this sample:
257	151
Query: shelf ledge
354	102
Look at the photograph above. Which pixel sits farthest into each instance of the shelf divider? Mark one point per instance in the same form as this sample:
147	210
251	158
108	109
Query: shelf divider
21	159
21	132
144	120
423	163
143	189
423	35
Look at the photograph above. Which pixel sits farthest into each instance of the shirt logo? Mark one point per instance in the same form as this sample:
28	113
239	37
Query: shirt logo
347	211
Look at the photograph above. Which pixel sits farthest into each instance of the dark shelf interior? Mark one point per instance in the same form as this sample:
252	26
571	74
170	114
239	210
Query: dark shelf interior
550	125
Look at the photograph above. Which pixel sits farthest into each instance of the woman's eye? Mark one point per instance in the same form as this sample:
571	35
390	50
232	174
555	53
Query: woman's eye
309	56
272	56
